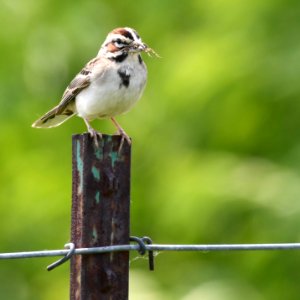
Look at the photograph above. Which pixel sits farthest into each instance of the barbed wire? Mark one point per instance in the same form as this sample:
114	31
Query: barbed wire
145	245
152	247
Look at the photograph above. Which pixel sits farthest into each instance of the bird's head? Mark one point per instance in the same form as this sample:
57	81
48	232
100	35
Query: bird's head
123	41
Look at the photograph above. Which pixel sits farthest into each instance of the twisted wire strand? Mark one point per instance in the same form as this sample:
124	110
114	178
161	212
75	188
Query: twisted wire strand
153	247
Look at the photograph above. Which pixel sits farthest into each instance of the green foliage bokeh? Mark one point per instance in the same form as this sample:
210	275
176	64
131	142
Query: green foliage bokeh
216	148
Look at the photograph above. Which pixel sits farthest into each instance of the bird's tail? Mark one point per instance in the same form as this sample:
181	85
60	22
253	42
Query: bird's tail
53	118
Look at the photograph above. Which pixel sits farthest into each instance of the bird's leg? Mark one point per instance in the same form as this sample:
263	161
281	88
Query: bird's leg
94	133
121	132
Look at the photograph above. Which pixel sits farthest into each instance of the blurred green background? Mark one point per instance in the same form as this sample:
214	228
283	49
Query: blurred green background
216	142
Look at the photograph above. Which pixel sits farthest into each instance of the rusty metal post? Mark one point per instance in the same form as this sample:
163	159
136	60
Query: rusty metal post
100	217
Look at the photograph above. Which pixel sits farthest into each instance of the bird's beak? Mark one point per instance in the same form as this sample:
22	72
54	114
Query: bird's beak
138	47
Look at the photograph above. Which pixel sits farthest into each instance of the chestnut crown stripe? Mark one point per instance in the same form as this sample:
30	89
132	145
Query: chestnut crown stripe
124	32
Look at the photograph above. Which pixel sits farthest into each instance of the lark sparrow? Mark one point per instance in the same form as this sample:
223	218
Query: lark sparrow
108	85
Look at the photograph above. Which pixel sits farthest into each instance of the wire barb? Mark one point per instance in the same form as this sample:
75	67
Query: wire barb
142	247
142	243
147	240
71	247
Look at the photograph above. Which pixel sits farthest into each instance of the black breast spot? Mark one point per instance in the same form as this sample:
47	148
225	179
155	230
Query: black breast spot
140	59
125	78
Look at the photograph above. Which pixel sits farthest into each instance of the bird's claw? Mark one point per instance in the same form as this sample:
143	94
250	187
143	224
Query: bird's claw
124	136
95	135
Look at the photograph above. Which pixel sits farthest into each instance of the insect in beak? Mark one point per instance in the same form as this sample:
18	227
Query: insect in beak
142	47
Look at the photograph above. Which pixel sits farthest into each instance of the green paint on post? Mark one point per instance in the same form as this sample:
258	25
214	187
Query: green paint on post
99	153
95	234
114	157
97	197
96	173
112	154
79	166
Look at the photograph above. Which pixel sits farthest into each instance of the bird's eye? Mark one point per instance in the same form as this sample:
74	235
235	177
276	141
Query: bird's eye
119	43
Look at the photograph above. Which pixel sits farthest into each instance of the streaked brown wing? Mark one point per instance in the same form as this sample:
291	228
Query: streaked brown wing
80	82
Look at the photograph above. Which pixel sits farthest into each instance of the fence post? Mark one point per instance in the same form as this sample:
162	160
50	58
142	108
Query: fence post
100	217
